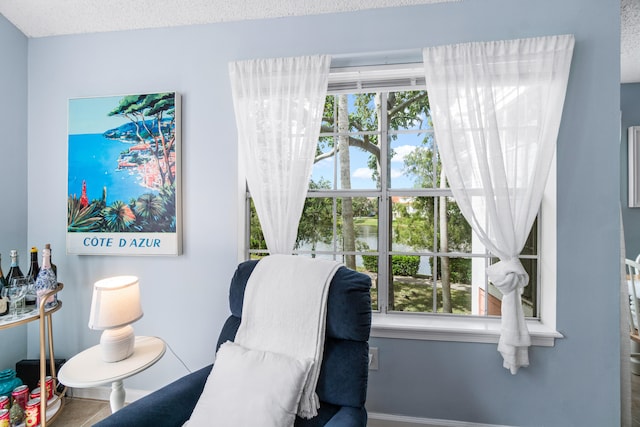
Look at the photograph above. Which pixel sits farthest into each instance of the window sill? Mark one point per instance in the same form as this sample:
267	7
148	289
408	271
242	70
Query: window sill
453	328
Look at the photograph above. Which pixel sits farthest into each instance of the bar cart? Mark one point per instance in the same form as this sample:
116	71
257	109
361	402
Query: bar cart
53	406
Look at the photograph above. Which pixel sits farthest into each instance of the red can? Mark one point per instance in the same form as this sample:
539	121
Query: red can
32	413
35	393
48	384
21	395
4	418
5	402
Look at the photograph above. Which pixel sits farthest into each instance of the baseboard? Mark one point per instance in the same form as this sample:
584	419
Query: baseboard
390	420
103	393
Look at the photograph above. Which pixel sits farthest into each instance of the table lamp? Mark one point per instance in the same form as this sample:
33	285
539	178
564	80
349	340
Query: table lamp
114	306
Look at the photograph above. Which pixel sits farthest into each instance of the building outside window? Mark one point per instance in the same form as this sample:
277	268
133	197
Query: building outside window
378	201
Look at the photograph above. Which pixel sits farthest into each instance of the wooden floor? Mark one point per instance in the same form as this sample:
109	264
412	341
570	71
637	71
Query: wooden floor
81	412
86	412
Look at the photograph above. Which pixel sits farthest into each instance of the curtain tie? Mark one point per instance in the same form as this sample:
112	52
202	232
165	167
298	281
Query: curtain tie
508	275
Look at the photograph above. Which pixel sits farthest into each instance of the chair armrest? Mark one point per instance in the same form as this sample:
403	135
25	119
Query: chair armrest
349	416
169	406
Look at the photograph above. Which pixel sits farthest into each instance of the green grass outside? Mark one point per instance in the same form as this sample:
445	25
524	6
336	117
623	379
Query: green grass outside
366	221
413	297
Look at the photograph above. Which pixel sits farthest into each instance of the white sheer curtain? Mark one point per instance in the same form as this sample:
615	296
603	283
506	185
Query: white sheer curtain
496	109
278	105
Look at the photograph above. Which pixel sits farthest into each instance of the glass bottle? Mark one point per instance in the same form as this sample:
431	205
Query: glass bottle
14	271
46	281
34	268
4	303
14	268
53	266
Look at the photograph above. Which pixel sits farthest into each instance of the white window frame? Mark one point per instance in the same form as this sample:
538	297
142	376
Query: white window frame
410	76
487	329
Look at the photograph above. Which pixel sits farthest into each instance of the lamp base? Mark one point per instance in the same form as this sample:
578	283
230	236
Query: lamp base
117	344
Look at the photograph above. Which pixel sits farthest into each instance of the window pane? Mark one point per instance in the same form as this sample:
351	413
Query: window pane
490	302
413	289
323	172
354	219
408	110
328	117
365	213
413	163
412	224
454	285
357	226
410	290
315	230
531	245
256	238
458	236
368	264
530	292
351	113
358	168
363	110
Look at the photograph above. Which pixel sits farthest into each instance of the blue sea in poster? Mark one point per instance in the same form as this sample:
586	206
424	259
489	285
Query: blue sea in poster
94	159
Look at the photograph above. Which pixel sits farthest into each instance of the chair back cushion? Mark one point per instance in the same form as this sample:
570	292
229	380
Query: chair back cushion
344	371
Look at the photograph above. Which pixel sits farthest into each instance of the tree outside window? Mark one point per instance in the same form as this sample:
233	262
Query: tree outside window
378	201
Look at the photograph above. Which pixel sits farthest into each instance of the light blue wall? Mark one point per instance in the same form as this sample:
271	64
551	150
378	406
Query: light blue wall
630	108
13	169
185	298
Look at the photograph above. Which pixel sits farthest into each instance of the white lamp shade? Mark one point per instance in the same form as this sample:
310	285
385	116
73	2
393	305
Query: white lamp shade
115	302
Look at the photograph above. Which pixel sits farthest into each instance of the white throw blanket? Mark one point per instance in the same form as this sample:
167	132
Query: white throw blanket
284	311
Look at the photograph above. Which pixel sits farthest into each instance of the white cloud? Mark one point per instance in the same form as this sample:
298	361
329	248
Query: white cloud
365	173
362	173
396	173
401	152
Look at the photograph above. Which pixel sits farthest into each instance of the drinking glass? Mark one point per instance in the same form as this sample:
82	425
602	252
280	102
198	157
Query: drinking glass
16	290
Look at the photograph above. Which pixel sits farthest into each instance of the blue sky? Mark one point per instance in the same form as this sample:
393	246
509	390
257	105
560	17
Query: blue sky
89	115
360	172
402	145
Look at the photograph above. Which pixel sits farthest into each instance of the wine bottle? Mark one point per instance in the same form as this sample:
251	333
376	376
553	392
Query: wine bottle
14	268
32	275
53	266
14	271
46	281
4	303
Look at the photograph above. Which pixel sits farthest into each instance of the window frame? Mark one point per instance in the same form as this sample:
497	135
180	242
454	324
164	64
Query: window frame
430	326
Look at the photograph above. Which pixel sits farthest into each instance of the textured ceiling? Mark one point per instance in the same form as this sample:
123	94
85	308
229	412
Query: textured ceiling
43	18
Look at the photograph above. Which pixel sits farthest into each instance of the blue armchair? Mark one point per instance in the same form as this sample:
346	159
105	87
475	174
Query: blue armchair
342	384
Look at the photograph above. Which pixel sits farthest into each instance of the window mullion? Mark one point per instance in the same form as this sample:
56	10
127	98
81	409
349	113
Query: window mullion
384	232
334	207
436	247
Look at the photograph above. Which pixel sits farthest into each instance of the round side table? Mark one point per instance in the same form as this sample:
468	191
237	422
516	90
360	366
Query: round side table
87	369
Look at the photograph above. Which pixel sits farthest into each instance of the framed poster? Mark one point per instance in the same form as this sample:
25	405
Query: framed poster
123	195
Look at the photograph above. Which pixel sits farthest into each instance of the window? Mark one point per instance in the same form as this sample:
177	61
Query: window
378	201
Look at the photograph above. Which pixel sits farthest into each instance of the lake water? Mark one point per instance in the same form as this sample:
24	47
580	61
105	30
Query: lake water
94	159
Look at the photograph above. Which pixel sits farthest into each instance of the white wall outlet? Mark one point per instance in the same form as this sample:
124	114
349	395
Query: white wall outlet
373	358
